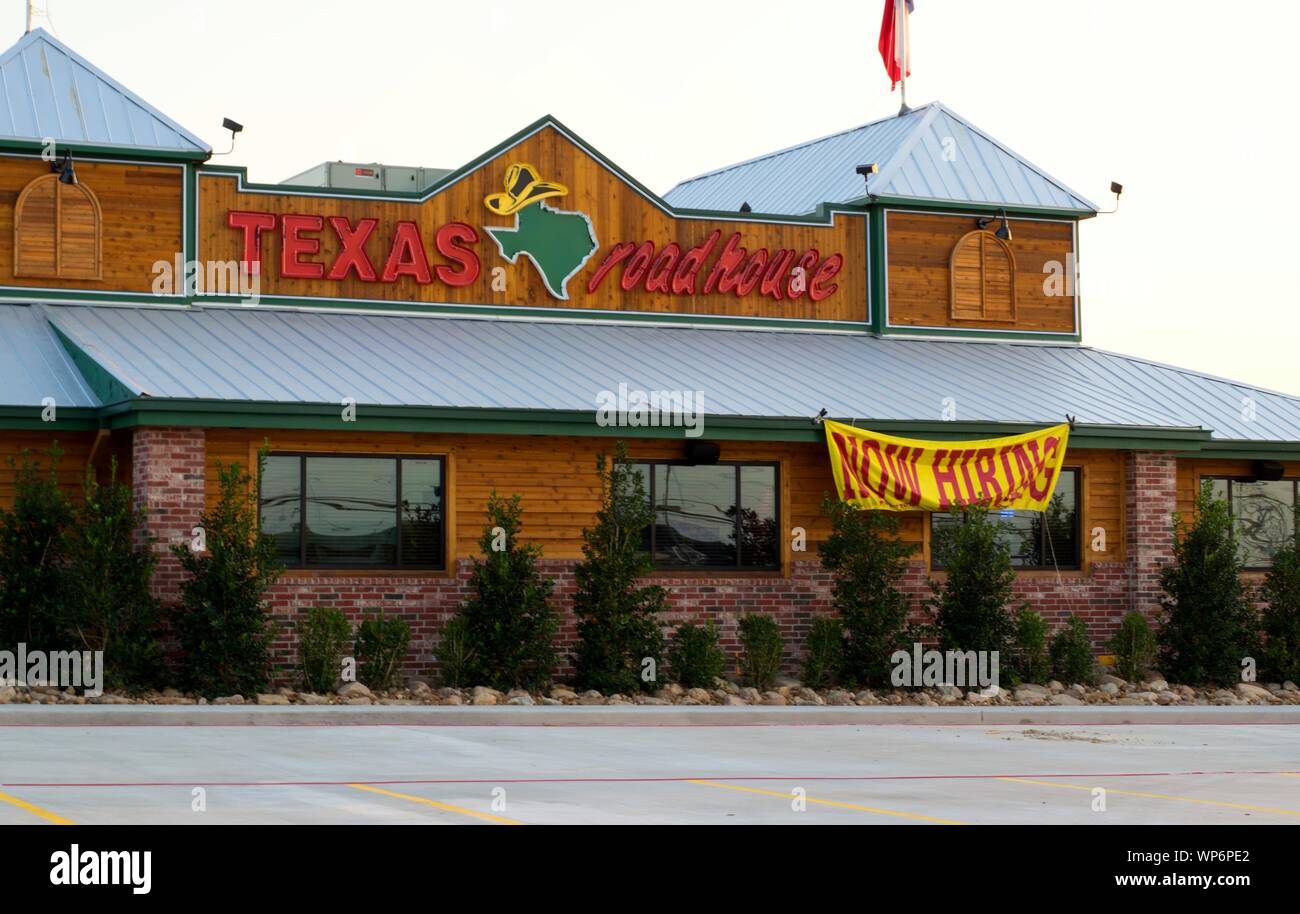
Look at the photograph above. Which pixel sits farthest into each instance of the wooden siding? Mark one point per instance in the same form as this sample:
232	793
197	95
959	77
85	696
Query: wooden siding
921	277
77	448
140	213
557	479
618	213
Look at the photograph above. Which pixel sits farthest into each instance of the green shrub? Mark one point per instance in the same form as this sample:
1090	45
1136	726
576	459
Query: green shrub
1281	617
619	640
455	655
381	647
1134	646
222	624
107	604
322	638
824	653
970	603
33	546
760	638
509	621
868	561
1208	624
694	657
1071	653
1029	659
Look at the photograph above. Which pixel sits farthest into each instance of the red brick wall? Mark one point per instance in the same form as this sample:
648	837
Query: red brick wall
1150	498
167	476
168	473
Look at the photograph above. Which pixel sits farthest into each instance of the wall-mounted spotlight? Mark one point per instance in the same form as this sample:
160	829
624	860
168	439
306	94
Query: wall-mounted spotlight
67	174
1004	230
1116	188
235	128
867	171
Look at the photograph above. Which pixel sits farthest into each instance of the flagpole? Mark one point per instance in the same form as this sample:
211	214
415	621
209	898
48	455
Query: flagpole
900	11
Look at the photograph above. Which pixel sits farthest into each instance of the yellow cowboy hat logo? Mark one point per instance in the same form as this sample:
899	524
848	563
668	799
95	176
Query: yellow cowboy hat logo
523	186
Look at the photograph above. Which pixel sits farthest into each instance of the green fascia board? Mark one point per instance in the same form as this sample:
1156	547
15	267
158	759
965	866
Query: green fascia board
137	153
518	311
28	418
919	205
26	294
978	334
1251	450
229	414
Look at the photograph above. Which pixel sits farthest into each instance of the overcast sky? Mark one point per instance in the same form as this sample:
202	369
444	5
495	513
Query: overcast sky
1189	103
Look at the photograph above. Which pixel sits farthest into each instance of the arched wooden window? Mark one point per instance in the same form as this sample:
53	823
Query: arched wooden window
57	230
983	270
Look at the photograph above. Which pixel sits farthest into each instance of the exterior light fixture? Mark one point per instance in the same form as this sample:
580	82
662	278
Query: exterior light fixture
235	129
1004	230
746	208
67	174
867	171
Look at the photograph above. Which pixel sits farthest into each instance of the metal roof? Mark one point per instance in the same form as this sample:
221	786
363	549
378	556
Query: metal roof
929	154
51	91
34	365
266	355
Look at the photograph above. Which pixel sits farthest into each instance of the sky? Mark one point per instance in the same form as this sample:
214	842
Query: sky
1186	104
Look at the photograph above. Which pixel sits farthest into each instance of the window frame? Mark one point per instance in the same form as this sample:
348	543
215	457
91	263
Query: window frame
1076	562
302	565
738	465
1230	479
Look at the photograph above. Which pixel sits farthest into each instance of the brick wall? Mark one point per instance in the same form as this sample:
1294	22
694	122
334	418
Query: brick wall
168	472
167	477
1150	497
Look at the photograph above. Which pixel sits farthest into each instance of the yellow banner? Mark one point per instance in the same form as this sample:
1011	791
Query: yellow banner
902	474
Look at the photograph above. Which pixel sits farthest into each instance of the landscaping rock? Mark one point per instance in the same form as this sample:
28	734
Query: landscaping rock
229	700
264	699
591	697
1156	685
1290	686
1108	679
1062	698
1055	686
775	699
699	696
482	695
838	697
525	700
452	699
1253	692
7	694
354	690
751	695
312	698
562	694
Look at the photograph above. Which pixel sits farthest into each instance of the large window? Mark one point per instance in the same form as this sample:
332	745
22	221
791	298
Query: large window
720	516
1037	540
1263	514
354	512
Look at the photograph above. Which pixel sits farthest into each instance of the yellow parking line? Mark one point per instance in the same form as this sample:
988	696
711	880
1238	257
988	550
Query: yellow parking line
1158	796
786	796
36	810
436	805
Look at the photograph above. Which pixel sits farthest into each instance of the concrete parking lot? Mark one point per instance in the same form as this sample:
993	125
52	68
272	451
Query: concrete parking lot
842	774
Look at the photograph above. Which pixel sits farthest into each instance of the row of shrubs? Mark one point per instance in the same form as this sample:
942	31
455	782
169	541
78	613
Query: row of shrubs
76	574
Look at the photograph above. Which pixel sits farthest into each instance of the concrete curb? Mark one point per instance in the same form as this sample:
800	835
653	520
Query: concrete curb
629	716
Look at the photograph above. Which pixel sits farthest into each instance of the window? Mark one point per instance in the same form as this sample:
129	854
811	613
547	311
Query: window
1045	540
354	512
1263	514
720	516
983	278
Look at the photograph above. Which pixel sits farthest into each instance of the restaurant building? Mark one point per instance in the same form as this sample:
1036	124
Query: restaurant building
406	341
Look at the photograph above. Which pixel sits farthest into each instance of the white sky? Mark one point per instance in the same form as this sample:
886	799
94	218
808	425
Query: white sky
1188	103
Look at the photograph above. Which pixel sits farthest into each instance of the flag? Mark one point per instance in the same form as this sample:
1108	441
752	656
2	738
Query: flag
893	40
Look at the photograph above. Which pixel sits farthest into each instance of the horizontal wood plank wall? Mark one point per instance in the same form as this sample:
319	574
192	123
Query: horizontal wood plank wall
141	206
618	214
920	247
76	447
1191	473
557	479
